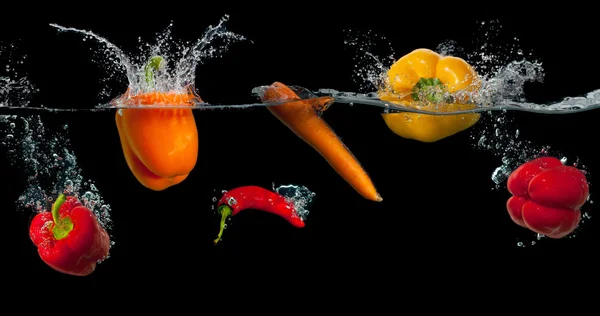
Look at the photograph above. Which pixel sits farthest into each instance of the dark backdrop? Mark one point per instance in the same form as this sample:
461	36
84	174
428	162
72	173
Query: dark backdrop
439	215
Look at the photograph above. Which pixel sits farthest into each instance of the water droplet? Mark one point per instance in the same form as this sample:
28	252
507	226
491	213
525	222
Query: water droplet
520	244
540	236
214	199
481	141
12	125
563	160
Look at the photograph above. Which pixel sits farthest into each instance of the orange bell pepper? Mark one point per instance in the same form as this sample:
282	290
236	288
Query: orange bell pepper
428	81
160	144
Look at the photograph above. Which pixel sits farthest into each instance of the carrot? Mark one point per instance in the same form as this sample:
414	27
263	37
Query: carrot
160	144
304	121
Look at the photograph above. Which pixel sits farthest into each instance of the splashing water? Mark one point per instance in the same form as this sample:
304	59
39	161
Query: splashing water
504	70
15	89
51	168
497	133
177	73
298	196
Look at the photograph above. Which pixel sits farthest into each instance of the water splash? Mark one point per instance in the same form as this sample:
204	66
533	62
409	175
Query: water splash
374	55
297	195
505	69
50	166
181	58
15	88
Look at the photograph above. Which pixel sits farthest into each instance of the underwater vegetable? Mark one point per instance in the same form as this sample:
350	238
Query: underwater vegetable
426	80
257	198
69	238
302	118
160	144
547	196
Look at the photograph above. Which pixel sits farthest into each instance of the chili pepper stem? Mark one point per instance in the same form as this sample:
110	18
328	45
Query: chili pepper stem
153	64
62	226
225	211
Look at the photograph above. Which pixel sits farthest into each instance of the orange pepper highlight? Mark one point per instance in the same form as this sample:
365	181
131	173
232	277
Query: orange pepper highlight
302	118
160	144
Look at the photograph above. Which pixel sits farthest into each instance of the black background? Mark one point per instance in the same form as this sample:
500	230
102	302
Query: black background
439	214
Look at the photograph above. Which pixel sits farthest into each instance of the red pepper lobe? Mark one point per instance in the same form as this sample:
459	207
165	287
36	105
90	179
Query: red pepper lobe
88	238
37	232
552	222
518	181
561	187
515	207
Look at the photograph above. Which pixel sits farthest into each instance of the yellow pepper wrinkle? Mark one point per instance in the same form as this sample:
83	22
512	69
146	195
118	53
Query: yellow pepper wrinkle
428	81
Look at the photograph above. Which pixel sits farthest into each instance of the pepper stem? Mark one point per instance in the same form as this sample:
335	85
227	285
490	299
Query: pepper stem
155	63
62	226
432	89
60	200
225	211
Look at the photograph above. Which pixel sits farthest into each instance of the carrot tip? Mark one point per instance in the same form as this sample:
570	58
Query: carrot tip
378	198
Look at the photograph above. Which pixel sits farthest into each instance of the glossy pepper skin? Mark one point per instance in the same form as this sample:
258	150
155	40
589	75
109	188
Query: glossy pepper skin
257	198
160	144
547	196
433	75
69	239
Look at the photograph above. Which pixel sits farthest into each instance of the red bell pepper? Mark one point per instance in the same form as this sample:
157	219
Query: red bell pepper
547	196
69	239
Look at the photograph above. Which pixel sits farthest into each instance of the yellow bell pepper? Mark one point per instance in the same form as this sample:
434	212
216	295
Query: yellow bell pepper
428	81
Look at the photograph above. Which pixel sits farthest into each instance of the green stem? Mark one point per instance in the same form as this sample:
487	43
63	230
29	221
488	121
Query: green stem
60	200
432	89
225	211
62	226
154	64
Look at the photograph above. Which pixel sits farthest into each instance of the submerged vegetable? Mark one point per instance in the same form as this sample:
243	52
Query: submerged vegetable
301	117
428	81
160	144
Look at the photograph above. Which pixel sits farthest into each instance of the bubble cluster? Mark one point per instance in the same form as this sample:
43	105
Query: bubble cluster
50	167
15	88
297	195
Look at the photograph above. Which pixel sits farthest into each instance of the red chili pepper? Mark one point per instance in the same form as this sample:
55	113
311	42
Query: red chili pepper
547	196
69	239
254	197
